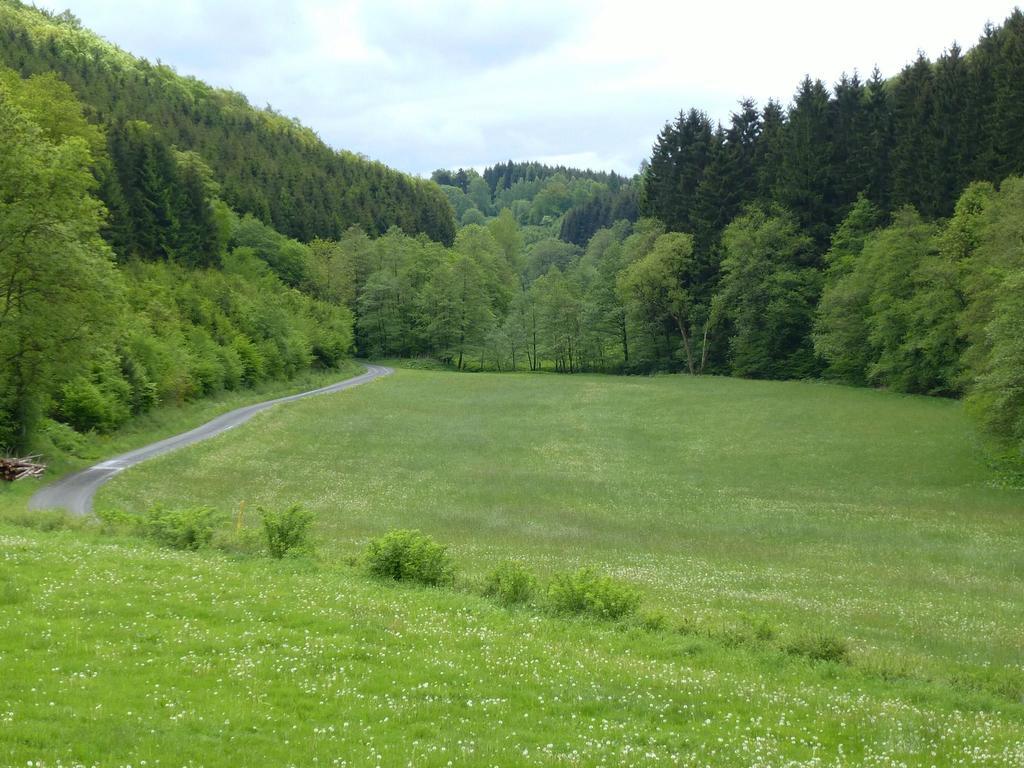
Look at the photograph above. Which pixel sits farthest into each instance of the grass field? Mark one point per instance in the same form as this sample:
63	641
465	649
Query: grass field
866	513
795	508
115	654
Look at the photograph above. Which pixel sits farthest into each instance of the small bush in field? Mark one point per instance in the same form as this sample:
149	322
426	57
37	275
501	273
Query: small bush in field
287	531
587	593
64	438
190	528
405	555
821	648
511	584
114	521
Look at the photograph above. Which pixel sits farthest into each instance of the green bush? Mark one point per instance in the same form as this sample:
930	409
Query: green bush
65	439
511	584
821	647
587	593
287	532
405	555
115	521
180	528
86	406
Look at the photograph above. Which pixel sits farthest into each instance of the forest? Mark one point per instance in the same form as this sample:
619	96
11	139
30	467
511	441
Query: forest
868	233
268	165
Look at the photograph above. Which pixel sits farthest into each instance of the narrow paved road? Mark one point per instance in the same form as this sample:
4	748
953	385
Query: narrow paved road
74	492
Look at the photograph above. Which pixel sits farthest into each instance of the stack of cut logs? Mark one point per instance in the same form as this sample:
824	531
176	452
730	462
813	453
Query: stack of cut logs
16	469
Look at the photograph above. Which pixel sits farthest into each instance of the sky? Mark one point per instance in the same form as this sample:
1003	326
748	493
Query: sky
461	83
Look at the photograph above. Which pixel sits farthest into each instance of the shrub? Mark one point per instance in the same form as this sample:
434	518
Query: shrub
180	528
287	532
511	584
114	521
86	406
586	593
821	648
405	555
65	439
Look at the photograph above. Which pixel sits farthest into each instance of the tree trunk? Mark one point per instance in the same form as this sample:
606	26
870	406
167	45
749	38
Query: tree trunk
704	348
686	345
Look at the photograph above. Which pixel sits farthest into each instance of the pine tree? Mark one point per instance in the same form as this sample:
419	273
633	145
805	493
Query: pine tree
805	184
915	154
681	154
878	125
950	129
1008	113
851	158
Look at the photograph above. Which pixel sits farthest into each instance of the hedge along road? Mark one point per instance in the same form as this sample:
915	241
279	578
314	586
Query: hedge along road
75	492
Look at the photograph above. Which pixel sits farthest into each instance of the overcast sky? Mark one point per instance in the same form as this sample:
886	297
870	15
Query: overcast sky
446	83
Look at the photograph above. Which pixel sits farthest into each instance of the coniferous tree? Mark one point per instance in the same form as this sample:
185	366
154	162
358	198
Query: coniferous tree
681	153
950	129
805	184
851	150
1008	112
878	121
915	153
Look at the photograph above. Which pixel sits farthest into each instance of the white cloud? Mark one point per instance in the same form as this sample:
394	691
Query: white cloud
441	84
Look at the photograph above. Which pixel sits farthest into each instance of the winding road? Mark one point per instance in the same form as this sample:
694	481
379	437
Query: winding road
74	492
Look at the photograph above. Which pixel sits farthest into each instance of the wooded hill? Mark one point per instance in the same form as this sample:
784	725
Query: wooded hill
916	139
191	300
569	203
266	164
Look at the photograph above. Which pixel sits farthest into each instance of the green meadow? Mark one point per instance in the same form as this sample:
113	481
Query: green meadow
751	516
867	514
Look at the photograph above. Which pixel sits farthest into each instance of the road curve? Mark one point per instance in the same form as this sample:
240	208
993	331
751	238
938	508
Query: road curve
74	492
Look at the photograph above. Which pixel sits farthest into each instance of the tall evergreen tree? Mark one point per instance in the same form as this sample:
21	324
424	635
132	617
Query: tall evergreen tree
915	153
681	153
805	184
851	149
878	124
950	129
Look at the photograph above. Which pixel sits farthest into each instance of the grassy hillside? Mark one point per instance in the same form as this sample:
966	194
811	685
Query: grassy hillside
115	654
751	515
852	512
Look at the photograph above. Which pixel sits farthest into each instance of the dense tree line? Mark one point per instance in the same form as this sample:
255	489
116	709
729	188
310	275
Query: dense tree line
169	297
570	203
267	165
917	139
503	175
843	237
840	237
